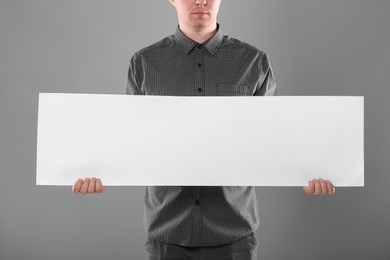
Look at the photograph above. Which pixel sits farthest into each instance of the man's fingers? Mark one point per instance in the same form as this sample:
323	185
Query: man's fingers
77	186
331	189
84	188
309	189
88	186
99	186
317	187
91	186
324	186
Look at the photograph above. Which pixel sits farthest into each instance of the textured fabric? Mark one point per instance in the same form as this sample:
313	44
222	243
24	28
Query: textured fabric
178	66
243	249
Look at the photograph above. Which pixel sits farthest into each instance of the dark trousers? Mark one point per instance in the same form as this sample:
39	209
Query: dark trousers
243	249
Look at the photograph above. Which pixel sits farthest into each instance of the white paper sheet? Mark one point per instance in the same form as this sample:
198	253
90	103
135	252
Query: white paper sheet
233	141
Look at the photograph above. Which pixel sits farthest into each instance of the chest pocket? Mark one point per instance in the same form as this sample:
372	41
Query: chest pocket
232	90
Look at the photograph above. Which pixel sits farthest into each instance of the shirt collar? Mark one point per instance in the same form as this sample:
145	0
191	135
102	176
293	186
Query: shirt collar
212	44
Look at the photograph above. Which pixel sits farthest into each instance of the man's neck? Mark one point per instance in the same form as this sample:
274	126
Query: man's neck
199	35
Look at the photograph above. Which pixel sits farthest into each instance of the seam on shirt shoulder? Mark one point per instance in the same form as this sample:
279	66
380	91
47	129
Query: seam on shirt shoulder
241	44
164	43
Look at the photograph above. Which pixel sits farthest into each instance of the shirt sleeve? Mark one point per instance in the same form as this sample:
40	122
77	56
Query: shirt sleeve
266	85
133	84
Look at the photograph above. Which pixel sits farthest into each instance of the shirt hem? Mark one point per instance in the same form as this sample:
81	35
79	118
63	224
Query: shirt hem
200	244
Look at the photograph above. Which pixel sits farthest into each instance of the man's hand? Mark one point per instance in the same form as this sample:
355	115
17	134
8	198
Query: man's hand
319	187
88	186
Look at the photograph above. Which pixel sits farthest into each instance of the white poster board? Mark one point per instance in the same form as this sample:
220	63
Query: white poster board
207	141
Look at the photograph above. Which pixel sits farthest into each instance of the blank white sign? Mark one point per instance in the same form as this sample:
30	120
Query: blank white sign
207	141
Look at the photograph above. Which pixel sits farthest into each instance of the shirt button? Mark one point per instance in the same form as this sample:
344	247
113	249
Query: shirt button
197	202
200	65
200	46
200	90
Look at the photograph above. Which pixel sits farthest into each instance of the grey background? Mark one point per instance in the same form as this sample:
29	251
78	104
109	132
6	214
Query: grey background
327	47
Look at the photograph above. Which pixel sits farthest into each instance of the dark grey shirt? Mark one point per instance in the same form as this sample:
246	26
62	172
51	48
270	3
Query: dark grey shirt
222	66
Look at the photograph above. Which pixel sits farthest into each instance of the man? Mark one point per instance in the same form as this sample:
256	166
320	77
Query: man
198	60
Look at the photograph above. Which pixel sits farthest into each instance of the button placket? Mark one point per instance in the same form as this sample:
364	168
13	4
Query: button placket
197	221
199	71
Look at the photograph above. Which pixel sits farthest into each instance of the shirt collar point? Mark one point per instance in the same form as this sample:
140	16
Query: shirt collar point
212	44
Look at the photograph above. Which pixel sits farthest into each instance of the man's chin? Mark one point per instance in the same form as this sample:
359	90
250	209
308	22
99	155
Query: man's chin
201	24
